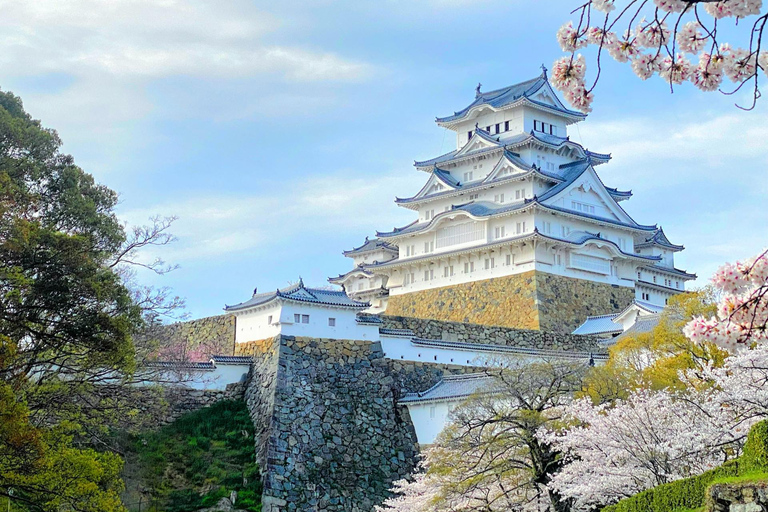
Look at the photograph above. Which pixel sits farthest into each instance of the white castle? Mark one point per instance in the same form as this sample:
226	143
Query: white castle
515	196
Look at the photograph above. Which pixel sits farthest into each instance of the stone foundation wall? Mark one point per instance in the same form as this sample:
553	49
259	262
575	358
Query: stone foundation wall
564	303
532	300
507	301
194	340
335	439
738	497
492	335
162	405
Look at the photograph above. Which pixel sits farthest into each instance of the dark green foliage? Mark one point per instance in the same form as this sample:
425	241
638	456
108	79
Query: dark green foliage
200	458
690	493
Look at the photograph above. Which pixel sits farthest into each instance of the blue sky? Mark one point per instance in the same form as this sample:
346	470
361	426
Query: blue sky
280	132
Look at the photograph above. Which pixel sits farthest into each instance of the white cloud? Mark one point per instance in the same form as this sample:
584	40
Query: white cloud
135	39
704	179
219	226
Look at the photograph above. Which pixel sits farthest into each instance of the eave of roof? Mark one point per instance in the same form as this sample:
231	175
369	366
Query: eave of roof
370	246
510	97
535	235
672	271
515	141
300	294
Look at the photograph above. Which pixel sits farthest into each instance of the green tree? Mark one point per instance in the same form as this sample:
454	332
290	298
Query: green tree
654	360
67	316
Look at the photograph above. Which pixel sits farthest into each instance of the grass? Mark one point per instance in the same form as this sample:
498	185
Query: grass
199	459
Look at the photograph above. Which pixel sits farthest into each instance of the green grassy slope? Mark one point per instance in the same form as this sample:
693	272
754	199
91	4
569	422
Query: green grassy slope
194	462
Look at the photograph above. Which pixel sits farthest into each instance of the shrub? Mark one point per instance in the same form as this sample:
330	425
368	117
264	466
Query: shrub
690	493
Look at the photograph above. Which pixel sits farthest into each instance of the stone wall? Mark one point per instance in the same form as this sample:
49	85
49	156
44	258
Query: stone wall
196	339
531	300
336	439
160	405
492	335
738	497
564	303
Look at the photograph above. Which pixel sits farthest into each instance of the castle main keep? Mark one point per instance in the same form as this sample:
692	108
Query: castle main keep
514	227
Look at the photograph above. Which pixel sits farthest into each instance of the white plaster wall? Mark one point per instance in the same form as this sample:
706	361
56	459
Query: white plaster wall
254	324
206	380
430	418
489	118
346	326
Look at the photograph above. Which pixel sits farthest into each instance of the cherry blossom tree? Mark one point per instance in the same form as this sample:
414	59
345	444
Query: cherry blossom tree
617	449
678	40
742	314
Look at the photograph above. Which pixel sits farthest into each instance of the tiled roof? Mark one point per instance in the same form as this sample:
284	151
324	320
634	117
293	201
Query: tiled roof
459	187
300	293
181	365
505	349
401	333
670	270
218	359
488	209
660	239
524	237
368	319
510	143
602	324
370	246
643	324
511	94
452	387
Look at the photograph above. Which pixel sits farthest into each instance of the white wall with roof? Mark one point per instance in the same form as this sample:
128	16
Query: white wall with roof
430	418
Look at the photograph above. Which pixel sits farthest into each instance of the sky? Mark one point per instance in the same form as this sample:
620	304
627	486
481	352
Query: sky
279	133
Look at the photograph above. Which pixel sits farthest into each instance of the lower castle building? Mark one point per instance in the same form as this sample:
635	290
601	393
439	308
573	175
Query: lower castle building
515	227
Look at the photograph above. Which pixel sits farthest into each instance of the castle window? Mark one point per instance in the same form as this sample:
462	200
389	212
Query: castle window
520	227
429	246
460	234
666	301
429	214
553	130
499	198
469	135
469	267
497	127
468	176
331	322
432	412
305	319
488	129
472	197
654	279
509	259
590	264
639	275
677	284
547	226
506	126
269	320
297	318
445	271
499	232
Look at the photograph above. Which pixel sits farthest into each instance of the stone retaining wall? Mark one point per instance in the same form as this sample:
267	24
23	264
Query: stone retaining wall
738	497
196	339
336	438
531	300
492	335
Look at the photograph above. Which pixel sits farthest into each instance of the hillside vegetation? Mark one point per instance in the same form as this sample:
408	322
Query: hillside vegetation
691	493
194	462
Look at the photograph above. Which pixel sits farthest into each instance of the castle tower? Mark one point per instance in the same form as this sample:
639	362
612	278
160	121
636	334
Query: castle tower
515	227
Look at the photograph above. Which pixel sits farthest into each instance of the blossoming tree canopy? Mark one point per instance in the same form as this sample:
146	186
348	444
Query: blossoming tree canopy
680	40
742	314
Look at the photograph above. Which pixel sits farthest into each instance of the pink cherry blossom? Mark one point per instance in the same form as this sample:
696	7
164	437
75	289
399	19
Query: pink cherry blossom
624	50
605	6
652	35
677	71
671	5
645	65
742	313
690	39
739	64
568	38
